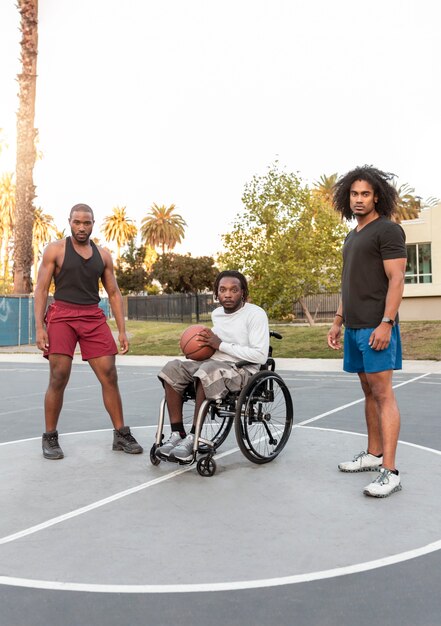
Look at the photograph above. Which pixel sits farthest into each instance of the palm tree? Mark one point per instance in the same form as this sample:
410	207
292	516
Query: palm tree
119	228
26	153
162	229
7	209
409	205
42	231
324	188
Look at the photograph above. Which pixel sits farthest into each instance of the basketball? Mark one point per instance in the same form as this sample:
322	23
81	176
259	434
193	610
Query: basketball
191	346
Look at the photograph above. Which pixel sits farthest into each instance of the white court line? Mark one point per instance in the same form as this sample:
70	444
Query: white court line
345	406
222	586
96	505
79	432
350	432
234	585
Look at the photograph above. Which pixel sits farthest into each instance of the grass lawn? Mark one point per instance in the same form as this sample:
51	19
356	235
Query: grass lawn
421	340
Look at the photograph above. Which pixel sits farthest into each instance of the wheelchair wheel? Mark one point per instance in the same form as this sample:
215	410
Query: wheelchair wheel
264	417
206	466
153	458
217	425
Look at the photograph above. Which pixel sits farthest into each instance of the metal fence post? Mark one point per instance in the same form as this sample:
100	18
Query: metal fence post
19	322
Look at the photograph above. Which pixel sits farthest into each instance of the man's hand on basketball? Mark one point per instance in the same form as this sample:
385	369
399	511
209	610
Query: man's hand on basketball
208	338
334	336
123	343
380	337
42	340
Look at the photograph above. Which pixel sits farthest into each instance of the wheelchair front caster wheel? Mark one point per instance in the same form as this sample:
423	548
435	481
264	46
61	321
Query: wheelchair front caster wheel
206	466
153	458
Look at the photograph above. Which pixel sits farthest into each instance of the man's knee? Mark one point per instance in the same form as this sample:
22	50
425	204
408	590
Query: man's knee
171	369
59	376
105	370
380	386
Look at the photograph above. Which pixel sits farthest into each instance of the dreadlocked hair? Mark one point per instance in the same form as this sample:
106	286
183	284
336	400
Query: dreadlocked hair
386	193
232	274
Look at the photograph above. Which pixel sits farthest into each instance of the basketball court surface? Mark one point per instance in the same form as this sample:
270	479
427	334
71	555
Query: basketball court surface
106	538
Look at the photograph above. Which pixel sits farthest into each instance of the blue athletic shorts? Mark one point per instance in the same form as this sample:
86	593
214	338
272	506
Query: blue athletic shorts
358	356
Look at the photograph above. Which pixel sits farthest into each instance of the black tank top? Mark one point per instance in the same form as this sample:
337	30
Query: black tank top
78	278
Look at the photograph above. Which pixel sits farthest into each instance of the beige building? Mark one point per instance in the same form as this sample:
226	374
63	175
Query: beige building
422	291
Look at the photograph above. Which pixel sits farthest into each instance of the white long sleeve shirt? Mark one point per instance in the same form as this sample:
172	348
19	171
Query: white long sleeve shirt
244	334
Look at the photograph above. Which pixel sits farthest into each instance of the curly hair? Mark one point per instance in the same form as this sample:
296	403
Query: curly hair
231	274
386	193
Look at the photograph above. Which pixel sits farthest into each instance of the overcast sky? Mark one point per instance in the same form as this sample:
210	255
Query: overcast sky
183	101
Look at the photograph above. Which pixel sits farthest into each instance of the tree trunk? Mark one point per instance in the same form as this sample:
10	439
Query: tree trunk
26	153
308	315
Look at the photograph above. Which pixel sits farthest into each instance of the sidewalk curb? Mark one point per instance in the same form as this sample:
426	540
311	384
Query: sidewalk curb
299	365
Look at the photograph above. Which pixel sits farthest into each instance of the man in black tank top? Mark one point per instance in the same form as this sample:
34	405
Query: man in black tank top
374	263
77	265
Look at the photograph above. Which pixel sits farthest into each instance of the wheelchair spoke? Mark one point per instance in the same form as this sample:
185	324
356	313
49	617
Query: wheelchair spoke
264	418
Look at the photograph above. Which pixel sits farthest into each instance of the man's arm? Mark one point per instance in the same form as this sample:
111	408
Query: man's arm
116	302
45	274
395	270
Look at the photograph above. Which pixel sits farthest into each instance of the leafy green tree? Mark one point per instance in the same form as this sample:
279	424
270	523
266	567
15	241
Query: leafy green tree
119	228
184	273
162	228
286	241
131	274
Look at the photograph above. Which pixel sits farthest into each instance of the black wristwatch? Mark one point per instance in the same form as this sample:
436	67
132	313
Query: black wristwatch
388	320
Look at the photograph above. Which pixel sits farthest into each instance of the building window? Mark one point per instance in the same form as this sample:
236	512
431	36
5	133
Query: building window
419	263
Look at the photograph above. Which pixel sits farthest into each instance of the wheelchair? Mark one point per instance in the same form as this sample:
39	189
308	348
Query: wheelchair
262	414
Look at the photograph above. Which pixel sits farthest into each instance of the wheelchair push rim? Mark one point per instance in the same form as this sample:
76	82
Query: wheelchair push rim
264	417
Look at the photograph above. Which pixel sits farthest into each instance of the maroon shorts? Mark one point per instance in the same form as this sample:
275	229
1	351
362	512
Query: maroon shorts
68	324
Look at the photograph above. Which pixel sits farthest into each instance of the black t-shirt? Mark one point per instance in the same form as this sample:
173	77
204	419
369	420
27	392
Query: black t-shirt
364	281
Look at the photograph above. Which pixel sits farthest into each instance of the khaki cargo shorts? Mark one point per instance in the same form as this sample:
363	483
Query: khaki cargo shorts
218	378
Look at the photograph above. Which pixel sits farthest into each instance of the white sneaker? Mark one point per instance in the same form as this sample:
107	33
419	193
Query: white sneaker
362	462
184	450
171	443
386	483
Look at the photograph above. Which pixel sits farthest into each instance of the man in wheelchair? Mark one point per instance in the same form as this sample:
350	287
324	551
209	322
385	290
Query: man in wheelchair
240	333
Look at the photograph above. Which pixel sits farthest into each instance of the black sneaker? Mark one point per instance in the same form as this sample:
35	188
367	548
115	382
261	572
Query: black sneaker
125	441
51	447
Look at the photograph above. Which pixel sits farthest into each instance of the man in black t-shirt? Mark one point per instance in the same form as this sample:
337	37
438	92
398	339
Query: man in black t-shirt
374	263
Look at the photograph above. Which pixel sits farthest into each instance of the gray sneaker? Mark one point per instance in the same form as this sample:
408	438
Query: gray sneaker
171	443
362	462
125	441
51	447
184	451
